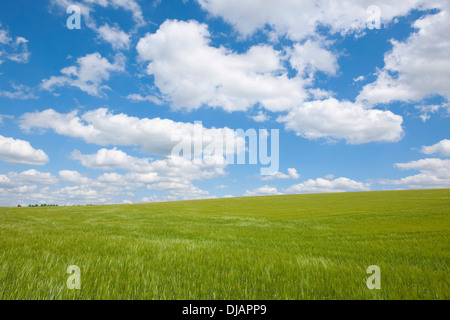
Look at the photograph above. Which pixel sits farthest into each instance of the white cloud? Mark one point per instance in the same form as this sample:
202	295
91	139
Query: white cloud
20	92
426	110
89	74
13	48
221	186
262	191
311	57
173	174
148	98
131	6
20	152
343	120
195	74
30	177
320	94
101	127
292	174
416	68
118	39
434	173
324	186
191	73
261	117
156	198
298	19
73	176
183	191
88	6
111	160
442	147
359	79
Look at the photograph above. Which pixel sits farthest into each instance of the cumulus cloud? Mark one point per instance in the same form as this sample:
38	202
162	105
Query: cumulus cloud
135	97
311	57
299	19
169	179
101	127
190	72
144	170
195	74
20	152
434	173
88	75
416	68
343	120
111	160
262	191
26	178
73	176
442	148
325	186
88	7
13	48
20	92
261	117
118	39
292	174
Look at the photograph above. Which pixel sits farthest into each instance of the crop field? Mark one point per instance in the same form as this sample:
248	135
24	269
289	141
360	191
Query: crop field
279	247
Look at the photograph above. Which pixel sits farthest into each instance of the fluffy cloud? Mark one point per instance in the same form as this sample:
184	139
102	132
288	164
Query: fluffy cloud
322	185
101	127
20	92
417	67
148	98
111	160
261	117
196	74
20	152
13	48
143	170
343	120
28	178
434	173
88	6
442	147
118	39
191	72
262	191
73	176
298	19
166	179
89	74
292	174
311	57
128	5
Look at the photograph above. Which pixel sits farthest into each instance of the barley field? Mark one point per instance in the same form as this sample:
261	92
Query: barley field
279	247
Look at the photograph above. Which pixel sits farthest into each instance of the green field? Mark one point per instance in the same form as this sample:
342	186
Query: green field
279	247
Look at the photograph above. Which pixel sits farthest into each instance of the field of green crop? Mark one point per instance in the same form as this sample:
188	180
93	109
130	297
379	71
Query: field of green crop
279	247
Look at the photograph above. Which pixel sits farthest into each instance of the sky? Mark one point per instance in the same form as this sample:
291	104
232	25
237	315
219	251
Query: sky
354	94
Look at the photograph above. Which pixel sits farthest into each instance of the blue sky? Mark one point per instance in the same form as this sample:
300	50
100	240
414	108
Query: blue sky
88	115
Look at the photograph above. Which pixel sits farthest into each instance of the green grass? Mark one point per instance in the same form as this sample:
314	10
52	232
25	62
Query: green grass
280	247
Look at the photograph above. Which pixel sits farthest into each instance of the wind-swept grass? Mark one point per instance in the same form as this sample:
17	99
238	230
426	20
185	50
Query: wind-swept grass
280	247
